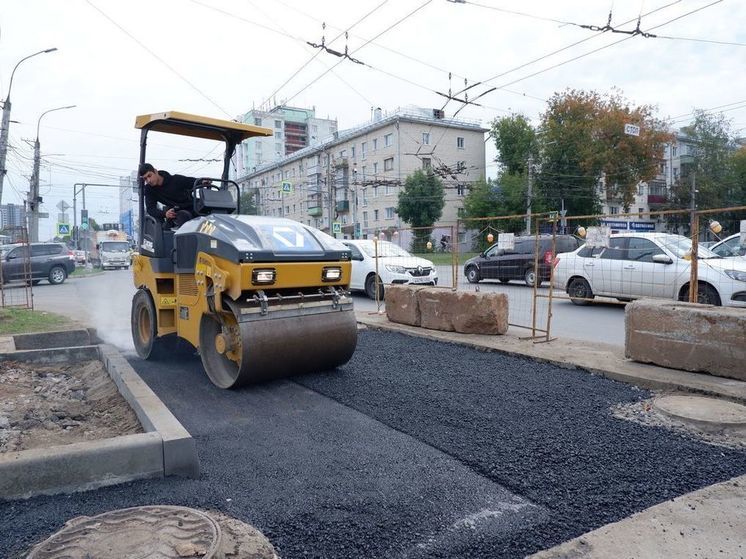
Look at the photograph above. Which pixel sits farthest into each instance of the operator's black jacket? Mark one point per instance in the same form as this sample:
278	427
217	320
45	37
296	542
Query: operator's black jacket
175	192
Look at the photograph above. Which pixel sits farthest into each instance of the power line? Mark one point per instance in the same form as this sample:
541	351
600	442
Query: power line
154	55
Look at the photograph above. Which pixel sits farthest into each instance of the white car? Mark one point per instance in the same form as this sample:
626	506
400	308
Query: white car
395	267
649	265
729	247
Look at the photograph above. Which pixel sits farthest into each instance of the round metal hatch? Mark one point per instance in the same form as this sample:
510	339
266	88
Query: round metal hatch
153	532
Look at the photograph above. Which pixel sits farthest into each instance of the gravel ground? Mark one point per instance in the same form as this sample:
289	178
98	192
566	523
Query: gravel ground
414	449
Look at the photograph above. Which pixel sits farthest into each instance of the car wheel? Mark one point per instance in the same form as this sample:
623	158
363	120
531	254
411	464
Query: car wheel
472	274
57	275
706	295
370	287
530	278
579	290
504	280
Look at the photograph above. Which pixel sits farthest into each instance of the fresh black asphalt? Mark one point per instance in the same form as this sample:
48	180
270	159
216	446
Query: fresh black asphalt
414	449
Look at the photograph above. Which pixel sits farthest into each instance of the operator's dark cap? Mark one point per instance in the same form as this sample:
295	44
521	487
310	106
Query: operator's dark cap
145	168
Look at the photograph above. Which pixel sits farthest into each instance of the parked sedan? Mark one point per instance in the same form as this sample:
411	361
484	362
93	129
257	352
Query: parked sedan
730	246
395	266
649	265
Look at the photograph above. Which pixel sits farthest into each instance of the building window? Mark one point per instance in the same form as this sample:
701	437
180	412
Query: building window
365	219
640	211
390	189
375	169
375	215
257	121
613	210
461	212
460	189
314	129
426	138
364	170
460	142
364	196
673	151
343	153
278	149
278	135
427	163
363	148
278	124
388	164
390	213
375	192
388	140
375	144
352	152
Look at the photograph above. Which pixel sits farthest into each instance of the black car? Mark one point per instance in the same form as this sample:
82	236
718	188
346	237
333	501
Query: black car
50	261
518	263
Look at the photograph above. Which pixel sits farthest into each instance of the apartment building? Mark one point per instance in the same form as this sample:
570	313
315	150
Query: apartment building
12	215
294	129
353	177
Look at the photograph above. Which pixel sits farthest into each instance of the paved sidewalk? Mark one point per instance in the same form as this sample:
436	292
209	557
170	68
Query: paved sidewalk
703	524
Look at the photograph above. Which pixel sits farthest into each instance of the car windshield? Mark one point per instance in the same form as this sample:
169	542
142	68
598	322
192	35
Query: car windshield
385	248
681	246
110	246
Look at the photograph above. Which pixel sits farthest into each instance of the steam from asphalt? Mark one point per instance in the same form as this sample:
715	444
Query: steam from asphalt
107	305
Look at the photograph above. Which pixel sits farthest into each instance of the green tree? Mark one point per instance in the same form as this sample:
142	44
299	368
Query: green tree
247	202
515	139
421	203
583	143
710	164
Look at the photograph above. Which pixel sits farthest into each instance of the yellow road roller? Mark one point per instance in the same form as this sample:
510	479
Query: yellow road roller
261	298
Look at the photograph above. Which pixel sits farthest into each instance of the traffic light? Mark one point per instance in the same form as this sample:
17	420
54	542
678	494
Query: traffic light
84	220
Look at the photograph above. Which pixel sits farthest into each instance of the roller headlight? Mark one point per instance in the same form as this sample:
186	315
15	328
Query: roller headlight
396	269
331	273
736	275
263	276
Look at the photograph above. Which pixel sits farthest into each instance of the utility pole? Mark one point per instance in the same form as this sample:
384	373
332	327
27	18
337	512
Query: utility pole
330	189
34	199
33	196
529	192
694	226
6	120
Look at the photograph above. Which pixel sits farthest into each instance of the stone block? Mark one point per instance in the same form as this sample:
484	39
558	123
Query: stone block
401	304
688	336
462	311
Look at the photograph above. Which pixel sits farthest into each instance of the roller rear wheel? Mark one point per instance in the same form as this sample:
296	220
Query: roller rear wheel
144	324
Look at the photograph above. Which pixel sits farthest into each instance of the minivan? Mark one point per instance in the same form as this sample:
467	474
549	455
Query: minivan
518	263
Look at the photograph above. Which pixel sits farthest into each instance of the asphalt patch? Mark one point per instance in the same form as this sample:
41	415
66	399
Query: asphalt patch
415	448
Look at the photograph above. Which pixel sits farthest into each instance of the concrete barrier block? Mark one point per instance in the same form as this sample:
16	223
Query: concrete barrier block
401	304
463	312
47	340
687	336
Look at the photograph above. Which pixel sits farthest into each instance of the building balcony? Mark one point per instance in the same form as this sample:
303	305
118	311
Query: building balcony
656	200
316	211
343	206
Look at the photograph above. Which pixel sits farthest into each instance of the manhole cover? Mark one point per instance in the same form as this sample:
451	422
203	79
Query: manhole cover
706	412
153	532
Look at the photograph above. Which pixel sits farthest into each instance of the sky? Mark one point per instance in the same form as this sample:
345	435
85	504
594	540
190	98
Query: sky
221	58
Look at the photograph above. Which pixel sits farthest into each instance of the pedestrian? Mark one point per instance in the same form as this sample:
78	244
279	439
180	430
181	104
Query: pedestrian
174	192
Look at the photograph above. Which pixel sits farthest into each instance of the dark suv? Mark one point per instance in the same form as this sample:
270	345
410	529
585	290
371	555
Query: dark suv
518	263
50	261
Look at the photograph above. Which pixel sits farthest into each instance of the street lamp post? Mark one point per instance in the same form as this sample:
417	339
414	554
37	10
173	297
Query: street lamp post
6	120
33	195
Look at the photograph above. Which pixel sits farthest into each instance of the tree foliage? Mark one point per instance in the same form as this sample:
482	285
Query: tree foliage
583	143
247	203
515	139
420	204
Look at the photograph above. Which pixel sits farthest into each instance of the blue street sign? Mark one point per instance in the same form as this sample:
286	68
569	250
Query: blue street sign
63	229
